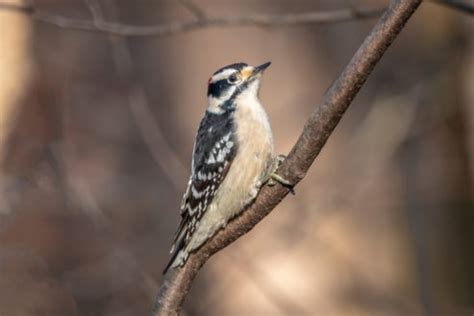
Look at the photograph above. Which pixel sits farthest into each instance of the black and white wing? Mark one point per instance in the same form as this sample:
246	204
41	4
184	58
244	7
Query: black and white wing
214	149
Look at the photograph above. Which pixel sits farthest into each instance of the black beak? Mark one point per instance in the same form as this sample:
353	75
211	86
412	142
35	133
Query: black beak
260	68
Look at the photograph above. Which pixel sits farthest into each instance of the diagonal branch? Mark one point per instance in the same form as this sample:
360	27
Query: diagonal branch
193	8
318	128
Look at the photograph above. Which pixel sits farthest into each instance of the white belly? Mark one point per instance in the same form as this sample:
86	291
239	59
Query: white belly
246	174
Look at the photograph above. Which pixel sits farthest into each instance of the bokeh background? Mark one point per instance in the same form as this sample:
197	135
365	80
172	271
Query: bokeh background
96	134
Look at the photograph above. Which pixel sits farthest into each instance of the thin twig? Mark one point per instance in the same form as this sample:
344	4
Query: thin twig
318	128
203	21
96	11
193	8
166	158
230	21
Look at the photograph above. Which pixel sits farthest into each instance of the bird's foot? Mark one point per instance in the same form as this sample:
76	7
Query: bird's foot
273	177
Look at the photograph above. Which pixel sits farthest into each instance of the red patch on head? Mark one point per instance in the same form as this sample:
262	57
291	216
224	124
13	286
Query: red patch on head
209	81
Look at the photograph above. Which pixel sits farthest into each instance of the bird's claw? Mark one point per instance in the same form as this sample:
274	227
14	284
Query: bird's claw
273	178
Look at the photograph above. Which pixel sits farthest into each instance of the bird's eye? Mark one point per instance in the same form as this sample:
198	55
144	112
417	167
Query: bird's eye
233	79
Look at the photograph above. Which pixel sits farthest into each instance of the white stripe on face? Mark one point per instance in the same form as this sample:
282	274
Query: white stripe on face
223	74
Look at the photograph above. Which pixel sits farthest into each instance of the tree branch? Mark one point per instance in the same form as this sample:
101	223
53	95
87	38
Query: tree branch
202	21
318	128
165	157
193	8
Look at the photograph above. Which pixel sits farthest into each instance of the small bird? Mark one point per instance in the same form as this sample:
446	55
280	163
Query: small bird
232	158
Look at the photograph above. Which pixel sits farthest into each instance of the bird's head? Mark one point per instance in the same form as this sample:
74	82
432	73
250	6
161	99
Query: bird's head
227	83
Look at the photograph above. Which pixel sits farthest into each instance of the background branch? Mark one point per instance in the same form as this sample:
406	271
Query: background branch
202	21
166	158
193	8
318	128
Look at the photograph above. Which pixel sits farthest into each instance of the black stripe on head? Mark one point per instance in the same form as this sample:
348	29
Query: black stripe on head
216	89
236	66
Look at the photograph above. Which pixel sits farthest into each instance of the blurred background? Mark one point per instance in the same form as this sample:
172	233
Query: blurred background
96	134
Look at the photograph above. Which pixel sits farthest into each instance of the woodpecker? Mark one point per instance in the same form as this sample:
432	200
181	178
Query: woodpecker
232	158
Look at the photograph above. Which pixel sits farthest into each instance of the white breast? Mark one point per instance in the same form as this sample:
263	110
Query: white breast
249	168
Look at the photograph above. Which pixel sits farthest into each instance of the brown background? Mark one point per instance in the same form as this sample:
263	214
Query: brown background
96	134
